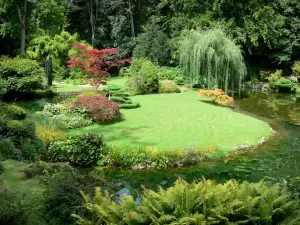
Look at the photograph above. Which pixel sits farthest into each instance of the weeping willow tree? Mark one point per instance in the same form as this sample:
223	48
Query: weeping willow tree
212	59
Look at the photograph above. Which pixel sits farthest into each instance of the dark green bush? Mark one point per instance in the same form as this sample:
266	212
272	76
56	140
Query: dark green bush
285	85
2	169
39	168
16	112
21	130
20	75
32	149
63	193
84	149
7	149
205	202
11	211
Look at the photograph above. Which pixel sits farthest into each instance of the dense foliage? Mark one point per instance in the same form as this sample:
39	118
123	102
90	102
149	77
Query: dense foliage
20	75
84	149
99	108
144	77
153	44
212	60
202	202
18	139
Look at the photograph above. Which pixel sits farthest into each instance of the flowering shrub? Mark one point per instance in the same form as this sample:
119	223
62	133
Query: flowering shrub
94	63
100	108
217	96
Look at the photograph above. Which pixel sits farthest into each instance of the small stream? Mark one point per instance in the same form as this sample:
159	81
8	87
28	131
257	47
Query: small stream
277	159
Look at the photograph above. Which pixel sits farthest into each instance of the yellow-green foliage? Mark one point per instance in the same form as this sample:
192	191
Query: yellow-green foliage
204	202
48	133
274	77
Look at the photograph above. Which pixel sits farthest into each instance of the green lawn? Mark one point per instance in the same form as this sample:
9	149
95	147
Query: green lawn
171	121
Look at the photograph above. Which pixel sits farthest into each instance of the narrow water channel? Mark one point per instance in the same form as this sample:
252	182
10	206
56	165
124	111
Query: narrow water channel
278	158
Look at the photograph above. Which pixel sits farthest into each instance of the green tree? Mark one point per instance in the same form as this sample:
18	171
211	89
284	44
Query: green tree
153	44
210	58
56	47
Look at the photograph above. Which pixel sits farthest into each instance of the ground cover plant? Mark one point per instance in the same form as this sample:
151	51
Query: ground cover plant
172	121
204	202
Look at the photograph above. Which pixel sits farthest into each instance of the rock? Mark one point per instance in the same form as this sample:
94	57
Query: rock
123	191
139	166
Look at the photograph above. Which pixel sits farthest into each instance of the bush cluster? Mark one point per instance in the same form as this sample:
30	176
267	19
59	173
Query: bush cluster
144	77
20	75
285	85
99	108
168	86
204	202
63	196
119	95
18	139
83	150
171	73
146	157
69	117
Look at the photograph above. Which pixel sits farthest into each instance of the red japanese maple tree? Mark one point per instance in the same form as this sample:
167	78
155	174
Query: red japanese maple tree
94	63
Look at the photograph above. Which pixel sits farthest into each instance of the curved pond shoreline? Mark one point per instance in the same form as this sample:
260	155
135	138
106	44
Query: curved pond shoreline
277	158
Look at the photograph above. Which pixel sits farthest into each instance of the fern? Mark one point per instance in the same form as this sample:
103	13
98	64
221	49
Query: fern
204	202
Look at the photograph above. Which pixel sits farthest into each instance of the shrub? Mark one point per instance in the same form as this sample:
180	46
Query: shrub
170	73
67	117
179	80
20	131
30	150
16	112
63	193
84	149
53	109
274	77
20	75
48	133
217	96
168	86
39	168
91	93
296	69
99	108
285	85
204	202
7	149
11	211
145	81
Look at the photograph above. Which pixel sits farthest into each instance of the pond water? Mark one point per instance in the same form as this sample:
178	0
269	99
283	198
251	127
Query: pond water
278	158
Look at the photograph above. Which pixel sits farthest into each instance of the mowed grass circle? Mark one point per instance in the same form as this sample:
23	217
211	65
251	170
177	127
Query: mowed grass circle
173	121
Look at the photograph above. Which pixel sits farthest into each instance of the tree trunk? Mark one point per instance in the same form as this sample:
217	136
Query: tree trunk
23	36
22	16
131	20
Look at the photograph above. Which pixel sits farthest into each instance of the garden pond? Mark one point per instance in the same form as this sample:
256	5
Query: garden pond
276	159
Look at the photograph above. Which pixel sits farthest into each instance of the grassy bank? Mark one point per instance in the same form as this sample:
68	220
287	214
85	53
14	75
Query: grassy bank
173	121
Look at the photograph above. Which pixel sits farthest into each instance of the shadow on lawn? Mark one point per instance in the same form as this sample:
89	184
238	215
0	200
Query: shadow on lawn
126	133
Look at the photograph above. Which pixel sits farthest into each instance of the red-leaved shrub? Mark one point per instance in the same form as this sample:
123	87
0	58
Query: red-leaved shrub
100	108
